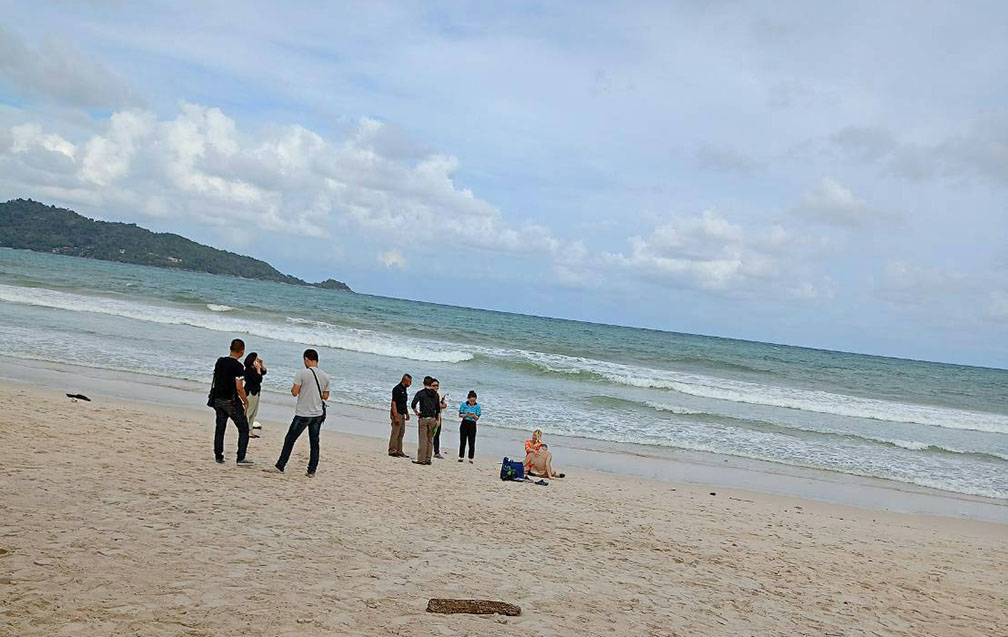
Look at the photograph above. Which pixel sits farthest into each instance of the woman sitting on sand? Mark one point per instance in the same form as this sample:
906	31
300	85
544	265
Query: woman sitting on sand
538	458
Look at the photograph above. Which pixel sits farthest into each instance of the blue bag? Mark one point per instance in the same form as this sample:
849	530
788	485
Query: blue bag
512	470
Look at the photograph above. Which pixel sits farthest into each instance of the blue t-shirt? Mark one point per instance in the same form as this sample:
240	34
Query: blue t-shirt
465	409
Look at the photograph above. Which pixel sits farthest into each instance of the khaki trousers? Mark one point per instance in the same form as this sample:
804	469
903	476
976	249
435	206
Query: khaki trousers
425	434
396	437
253	409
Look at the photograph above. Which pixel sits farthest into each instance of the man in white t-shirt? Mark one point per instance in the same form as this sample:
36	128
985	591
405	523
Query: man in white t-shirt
311	387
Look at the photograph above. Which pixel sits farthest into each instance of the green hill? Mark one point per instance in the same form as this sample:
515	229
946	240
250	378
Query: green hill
30	225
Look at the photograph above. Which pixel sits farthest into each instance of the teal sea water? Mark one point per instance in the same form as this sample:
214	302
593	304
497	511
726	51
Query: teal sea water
929	424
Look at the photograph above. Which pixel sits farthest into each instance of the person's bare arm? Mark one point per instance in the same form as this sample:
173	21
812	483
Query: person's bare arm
295	390
325	395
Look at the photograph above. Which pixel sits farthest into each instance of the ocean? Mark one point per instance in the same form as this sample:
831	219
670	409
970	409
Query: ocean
929	424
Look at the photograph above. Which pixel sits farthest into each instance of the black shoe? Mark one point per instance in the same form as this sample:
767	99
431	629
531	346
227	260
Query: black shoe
245	462
220	460
309	474
403	455
439	456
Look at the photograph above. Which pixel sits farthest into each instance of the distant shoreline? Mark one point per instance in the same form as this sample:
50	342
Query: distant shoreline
68	233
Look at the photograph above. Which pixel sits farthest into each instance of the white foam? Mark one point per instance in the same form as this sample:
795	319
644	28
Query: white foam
839	404
213	307
679	411
311	333
911	445
905	444
769	395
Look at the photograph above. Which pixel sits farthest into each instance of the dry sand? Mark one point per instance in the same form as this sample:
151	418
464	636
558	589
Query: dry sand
114	520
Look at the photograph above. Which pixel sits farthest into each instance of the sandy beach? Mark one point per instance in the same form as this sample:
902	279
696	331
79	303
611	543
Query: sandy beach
116	520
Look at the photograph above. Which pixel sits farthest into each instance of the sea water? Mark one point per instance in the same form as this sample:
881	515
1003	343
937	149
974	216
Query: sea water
930	424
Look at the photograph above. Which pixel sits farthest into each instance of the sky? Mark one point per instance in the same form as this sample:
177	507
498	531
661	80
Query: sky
830	175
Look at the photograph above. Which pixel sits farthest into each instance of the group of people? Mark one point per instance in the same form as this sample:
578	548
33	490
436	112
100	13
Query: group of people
428	405
231	398
236	388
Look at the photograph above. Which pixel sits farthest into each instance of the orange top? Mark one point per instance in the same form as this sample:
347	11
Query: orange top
531	446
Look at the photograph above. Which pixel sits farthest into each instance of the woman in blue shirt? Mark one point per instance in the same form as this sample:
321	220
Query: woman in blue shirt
469	412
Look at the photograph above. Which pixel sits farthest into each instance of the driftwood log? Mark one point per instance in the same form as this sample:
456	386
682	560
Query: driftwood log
473	606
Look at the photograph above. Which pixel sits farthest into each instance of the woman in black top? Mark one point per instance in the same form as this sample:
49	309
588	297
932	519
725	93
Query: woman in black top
255	369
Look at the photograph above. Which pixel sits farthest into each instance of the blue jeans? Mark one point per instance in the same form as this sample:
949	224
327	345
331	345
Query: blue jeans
314	425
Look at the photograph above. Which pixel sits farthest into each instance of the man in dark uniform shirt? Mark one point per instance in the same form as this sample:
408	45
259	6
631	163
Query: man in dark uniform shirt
230	401
399	414
430	406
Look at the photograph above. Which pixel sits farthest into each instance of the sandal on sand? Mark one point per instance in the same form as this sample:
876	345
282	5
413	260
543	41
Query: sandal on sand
542	483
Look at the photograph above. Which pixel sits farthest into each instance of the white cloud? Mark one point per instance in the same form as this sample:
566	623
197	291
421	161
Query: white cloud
706	251
109	158
57	71
201	165
28	137
393	259
832	203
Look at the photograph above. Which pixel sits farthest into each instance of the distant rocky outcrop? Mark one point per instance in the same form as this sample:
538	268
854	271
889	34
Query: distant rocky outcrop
30	225
333	284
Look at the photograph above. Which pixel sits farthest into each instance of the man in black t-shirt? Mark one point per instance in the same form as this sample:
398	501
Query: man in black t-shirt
399	414
230	401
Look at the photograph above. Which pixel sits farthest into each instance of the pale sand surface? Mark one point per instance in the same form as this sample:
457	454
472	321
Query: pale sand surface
114	520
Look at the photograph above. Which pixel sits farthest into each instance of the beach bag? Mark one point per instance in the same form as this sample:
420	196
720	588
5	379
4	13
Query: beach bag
512	470
210	397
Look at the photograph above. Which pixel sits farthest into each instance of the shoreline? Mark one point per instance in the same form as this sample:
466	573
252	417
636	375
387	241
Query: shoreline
669	465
